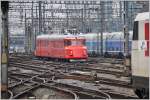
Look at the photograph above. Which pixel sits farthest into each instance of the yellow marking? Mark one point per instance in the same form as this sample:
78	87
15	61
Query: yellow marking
6	42
127	62
4	58
3	87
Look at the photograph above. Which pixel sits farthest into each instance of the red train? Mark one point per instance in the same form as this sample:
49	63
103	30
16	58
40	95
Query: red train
66	47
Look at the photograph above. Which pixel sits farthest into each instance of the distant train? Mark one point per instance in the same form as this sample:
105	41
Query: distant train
140	58
113	44
17	44
16	49
68	47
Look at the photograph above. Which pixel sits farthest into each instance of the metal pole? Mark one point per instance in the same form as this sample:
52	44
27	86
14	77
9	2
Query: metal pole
52	22
98	35
102	25
40	18
82	14
4	52
67	11
89	21
26	36
36	29
126	33
106	43
84	19
32	31
126	38
44	18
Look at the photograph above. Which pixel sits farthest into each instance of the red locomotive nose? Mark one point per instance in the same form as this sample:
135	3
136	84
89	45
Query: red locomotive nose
70	52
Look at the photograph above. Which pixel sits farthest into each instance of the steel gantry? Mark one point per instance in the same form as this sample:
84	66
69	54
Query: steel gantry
54	16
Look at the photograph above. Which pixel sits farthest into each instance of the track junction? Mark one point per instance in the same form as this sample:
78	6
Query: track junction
98	78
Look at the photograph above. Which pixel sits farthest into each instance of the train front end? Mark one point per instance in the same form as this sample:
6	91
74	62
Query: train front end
140	58
75	49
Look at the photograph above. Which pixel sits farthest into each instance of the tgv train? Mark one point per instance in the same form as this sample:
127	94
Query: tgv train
113	43
140	58
66	47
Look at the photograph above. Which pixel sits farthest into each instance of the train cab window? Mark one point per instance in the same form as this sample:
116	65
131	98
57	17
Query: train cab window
83	42
77	42
74	42
135	30
67	42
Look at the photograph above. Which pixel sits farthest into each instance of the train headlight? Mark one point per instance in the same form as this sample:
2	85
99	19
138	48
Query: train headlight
84	52
70	52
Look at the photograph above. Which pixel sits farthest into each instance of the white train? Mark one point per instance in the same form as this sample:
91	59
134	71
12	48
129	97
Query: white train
140	58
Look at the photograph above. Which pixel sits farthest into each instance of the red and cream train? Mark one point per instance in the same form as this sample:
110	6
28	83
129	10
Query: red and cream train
66	47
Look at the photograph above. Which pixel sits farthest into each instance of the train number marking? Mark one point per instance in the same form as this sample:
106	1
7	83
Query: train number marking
142	45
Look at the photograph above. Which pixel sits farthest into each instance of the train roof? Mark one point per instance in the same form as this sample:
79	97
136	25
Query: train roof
58	36
111	35
142	16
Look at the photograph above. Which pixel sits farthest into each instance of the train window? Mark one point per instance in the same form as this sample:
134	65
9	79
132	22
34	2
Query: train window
46	43
135	31
43	43
112	49
77	42
83	42
67	42
39	43
54	44
74	42
117	49
109	49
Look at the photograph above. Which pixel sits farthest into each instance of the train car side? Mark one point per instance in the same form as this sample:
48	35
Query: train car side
113	44
61	47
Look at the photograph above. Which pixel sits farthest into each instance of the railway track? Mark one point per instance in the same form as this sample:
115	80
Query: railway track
100	79
27	85
101	68
93	90
45	71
